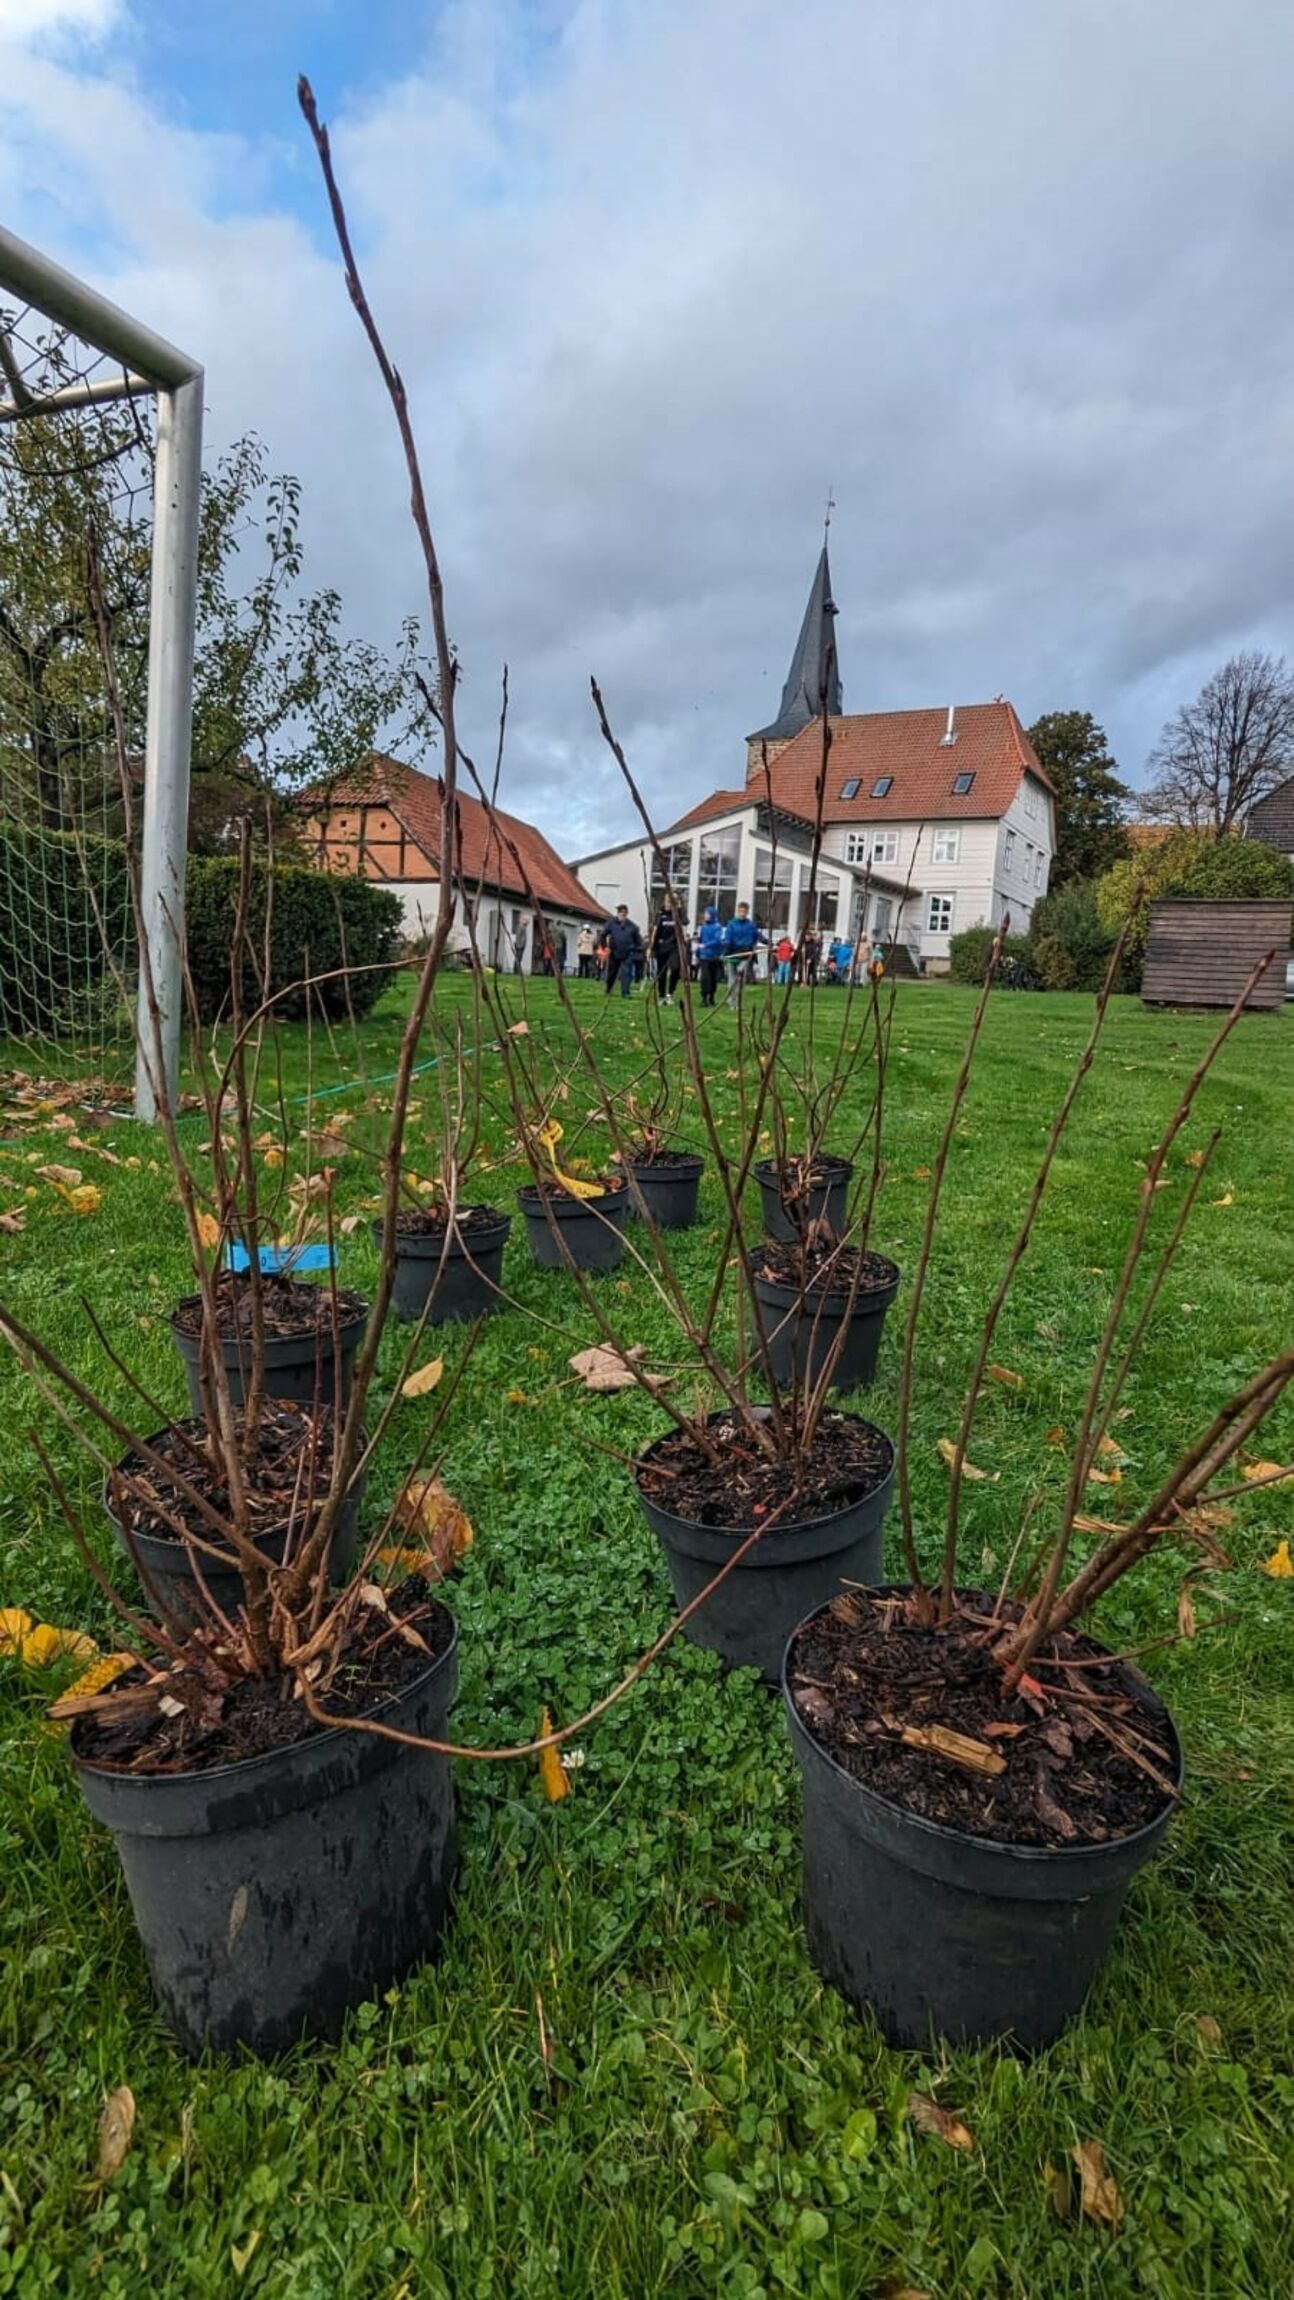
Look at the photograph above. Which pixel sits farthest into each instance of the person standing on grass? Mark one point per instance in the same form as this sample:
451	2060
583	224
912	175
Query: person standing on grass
624	942
784	955
668	955
709	954
810	956
741	939
586	942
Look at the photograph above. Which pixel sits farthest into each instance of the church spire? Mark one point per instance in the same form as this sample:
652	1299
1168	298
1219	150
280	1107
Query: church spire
814	676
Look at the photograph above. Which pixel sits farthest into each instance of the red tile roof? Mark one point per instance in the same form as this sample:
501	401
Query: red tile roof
718	803
908	746
485	847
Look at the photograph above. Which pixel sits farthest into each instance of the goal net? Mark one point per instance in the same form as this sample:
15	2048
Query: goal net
98	523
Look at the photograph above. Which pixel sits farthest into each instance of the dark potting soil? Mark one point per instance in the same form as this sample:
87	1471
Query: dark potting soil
289	1306
612	1185
797	1174
291	1458
662	1159
432	1221
220	1724
848	1461
800	1263
1070	1739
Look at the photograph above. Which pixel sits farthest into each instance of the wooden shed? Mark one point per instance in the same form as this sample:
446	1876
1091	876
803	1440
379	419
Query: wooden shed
1202	953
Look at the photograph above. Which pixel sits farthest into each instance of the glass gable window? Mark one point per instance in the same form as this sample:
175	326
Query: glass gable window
772	888
677	870
717	881
882	785
849	790
961	785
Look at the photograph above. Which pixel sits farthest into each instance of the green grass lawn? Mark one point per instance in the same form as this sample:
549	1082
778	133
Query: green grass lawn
711	2120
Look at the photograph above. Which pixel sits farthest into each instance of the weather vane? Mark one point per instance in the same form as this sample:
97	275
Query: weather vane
831	505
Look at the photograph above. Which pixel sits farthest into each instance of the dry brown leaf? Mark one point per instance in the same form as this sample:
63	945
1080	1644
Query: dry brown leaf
427	1510
116	2125
14	1220
1185	1611
1057	1434
421	1384
604	1368
1208	2030
349	1223
1099	2198
1097	1525
552	1773
516	1398
921	1173
1004	1375
947	1452
62	1177
1194	1158
929	2117
1105	1477
208	1230
1110	1449
518	1030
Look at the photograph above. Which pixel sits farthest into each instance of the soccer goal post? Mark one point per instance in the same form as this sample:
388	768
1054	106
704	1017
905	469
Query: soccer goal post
92	357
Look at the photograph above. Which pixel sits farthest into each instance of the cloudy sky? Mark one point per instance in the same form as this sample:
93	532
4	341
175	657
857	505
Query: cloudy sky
1015	281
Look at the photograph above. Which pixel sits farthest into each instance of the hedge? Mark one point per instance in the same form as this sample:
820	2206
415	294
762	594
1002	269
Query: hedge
1193	866
53	968
968	952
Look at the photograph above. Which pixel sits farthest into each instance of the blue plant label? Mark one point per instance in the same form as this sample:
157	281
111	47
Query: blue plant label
279	1258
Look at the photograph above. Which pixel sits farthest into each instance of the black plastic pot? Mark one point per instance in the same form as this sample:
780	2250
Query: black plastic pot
590	1226
461	1274
167	1563
273	1895
668	1192
827	1197
752	1613
940	1934
298	1366
800	1330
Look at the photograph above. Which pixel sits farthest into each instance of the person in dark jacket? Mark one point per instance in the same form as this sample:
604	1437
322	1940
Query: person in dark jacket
668	956
741	938
709	954
624	947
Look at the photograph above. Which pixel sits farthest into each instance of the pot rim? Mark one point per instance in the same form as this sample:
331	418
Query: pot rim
826	1292
422	1243
939	1831
532	1199
244	1768
346	1321
167	1541
681	1167
796	1525
828	1166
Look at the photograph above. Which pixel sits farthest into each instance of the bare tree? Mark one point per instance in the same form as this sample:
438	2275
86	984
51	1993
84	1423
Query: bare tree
1222	753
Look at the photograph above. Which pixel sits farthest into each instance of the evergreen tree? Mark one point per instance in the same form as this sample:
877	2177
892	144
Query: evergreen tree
1091	801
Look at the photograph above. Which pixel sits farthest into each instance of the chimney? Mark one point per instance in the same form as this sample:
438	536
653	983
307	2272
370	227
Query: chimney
949	735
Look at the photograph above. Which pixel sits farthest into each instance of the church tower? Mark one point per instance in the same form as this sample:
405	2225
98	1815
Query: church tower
812	681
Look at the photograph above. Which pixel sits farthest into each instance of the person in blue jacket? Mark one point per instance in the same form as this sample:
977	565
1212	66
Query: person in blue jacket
624	944
709	954
741	938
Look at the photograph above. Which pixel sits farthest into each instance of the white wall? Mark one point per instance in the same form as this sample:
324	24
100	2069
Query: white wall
496	919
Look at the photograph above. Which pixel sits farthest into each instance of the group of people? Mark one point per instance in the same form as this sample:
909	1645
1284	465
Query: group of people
718	952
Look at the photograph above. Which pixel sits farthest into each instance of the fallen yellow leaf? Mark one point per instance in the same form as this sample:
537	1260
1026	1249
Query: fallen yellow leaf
44	1644
115	2128
515	1398
1195	1158
1185	1611
1228	1198
1057	1435
86	1199
100	1674
420	1385
15	1625
552	1773
208	1230
1004	1375
947	1452
1269	1472
1280	1564
928	2116
426	1509
1100	2198
274	1156
1105	1477
921	1173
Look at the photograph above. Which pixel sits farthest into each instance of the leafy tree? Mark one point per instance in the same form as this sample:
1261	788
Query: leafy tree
1192	865
1071	942
280	694
1222	753
1091	802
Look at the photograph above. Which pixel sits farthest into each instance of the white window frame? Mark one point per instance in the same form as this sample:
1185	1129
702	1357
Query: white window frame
936	905
947	846
885	846
1008	850
856	846
1037	867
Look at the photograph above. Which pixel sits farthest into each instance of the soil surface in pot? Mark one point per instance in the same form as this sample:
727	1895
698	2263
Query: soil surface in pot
290	1306
1083	1757
432	1221
611	1186
798	1174
848	1461
291	1456
797	1264
219	1723
662	1160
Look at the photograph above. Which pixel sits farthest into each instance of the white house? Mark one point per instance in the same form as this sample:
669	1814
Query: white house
932	820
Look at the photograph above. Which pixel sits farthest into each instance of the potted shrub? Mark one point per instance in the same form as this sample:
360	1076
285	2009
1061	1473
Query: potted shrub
982	1777
448	1250
664	1179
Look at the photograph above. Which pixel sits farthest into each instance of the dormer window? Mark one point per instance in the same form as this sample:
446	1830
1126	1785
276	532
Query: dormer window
882	786
849	790
961	785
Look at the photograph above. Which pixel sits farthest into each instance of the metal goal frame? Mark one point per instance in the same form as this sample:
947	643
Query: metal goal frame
150	366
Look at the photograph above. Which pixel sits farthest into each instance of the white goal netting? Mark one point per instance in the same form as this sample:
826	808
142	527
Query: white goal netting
76	519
